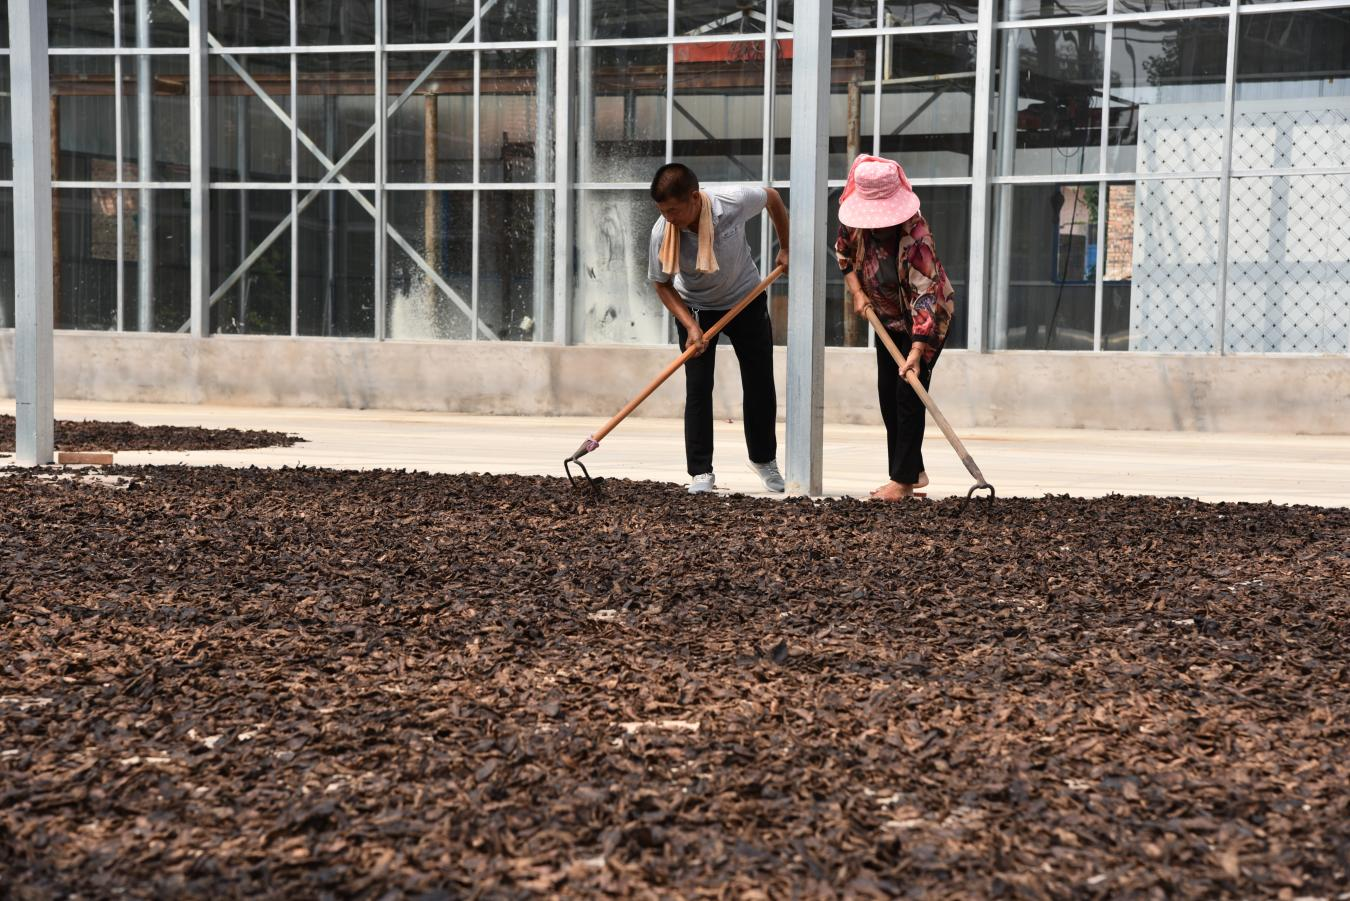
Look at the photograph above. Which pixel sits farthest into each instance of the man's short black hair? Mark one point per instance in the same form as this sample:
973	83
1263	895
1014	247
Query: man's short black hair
673	181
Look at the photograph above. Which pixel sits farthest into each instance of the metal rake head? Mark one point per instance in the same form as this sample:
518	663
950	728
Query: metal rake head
979	486
585	480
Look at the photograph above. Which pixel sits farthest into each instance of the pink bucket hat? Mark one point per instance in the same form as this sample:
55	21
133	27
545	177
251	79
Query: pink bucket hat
877	195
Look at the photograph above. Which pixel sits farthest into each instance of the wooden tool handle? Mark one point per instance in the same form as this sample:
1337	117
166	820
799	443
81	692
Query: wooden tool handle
913	379
683	358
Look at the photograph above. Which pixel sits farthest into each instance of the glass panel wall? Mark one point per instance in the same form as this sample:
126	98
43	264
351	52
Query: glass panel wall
86	259
898	13
162	23
624	132
946	208
701	17
928	103
852	117
1125	121
718	107
298	169
515	131
257	301
1050	294
613	302
430	248
456	120
515	264
335	116
430	135
908	97
622	19
162	262
1288	280
430	21
249	23
1049	100
621	114
1108	176
1018	10
79	23
702	102
504	21
6	139
120	141
155	139
335	265
1166	70
724	107
330	22
85	103
249	140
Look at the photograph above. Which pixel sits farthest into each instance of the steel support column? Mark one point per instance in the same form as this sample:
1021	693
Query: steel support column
1226	178
977	290
119	115
545	98
31	111
475	236
1103	192
242	141
564	198
381	248
145	172
997	338
806	277
292	221
199	68
778	297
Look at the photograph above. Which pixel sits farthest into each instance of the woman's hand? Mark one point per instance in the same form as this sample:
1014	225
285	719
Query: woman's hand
913	361
860	304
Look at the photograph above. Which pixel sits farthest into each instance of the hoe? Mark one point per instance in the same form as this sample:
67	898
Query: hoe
593	442
913	379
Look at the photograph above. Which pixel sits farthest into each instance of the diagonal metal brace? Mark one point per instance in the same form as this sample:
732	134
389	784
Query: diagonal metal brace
334	171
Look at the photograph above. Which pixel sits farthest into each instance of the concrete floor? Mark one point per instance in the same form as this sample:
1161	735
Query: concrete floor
1030	463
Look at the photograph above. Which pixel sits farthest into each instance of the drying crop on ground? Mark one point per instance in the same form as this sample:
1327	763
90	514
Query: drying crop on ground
304	683
87	435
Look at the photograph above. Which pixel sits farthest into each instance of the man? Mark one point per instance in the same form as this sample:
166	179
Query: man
700	264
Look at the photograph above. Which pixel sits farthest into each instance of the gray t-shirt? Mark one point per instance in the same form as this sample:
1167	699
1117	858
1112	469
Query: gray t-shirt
736	273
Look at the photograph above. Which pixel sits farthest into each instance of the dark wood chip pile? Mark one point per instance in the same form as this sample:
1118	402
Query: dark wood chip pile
304	684
86	435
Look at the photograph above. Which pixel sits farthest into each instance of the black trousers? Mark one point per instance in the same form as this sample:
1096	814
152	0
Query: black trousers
751	336
902	411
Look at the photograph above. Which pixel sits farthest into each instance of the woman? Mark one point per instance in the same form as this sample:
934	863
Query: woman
886	252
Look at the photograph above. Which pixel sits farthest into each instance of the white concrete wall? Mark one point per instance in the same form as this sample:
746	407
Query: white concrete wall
1284	394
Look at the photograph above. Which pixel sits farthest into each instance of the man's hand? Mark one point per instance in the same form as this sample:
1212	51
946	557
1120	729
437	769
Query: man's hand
695	339
913	361
781	260
860	304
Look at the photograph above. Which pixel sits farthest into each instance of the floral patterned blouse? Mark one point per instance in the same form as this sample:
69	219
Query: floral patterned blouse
903	277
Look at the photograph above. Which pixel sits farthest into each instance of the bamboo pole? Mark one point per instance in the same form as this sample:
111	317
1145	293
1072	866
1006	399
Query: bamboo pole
913	379
709	336
853	333
431	220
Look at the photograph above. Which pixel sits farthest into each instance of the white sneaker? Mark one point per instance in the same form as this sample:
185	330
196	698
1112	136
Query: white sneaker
768	474
703	484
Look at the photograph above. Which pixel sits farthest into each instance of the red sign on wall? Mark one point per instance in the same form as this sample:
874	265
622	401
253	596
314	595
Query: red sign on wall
728	52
